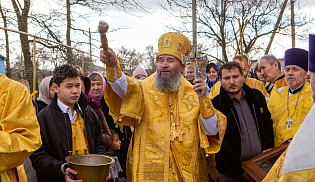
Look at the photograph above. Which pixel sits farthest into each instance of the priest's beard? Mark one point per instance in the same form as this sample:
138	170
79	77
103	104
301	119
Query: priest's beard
172	83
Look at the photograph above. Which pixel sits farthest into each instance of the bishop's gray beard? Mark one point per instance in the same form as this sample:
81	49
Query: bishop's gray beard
168	84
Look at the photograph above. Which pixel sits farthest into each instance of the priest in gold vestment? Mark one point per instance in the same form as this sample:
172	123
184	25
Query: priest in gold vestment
290	104
173	128
251	82
19	130
297	164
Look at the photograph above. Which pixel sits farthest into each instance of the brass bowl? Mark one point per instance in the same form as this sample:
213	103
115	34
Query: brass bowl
90	167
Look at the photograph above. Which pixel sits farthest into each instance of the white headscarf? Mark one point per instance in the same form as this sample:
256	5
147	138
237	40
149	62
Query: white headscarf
44	90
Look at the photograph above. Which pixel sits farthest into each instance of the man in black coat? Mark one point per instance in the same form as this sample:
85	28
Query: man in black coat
67	125
249	126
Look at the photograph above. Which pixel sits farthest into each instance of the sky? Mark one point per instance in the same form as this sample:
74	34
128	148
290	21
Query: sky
147	28
144	28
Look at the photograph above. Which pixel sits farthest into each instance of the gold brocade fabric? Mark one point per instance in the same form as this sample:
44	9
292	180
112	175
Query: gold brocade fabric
275	173
277	106
19	129
167	131
251	82
78	137
113	73
281	83
257	84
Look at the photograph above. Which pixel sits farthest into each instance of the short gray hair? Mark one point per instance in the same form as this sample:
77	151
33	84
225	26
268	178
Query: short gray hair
271	59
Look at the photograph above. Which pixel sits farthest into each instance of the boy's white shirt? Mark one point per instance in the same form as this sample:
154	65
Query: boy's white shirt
66	109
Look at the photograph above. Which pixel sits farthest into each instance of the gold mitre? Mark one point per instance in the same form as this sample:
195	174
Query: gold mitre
174	44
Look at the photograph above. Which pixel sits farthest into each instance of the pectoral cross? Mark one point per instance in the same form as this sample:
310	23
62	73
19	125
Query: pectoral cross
289	122
177	132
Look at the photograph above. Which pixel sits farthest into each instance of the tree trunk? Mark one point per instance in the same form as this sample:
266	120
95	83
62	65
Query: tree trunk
69	50
22	26
8	67
222	31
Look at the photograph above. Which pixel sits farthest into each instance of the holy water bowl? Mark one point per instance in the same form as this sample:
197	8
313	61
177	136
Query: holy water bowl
90	167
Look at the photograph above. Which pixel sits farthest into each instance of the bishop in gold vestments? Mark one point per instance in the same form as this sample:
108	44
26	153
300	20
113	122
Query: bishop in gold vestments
169	141
19	130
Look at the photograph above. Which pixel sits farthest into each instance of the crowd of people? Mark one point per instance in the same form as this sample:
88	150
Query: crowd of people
168	126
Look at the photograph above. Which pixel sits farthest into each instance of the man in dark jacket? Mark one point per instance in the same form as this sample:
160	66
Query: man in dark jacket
249	125
68	125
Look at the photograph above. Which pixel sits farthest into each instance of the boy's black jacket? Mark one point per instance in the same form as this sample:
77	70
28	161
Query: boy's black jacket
56	134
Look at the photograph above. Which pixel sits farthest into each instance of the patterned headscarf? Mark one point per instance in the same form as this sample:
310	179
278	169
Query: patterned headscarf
210	83
103	88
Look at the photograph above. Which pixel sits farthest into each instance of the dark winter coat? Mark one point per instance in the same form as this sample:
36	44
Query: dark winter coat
40	105
228	158
56	134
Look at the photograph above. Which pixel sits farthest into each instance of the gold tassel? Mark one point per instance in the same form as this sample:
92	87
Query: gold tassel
35	92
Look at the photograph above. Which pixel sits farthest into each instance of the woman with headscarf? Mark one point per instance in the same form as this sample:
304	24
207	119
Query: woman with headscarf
212	71
98	84
85	88
46	93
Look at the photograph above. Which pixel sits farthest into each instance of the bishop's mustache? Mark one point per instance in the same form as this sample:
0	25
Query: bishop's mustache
165	69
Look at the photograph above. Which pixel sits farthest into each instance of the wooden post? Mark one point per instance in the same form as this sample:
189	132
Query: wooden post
91	63
194	22
241	36
292	24
34	68
276	26
222	24
82	62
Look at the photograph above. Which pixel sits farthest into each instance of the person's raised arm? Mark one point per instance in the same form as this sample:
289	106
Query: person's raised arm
114	75
112	58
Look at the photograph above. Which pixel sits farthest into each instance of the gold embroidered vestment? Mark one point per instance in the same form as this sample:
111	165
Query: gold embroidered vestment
169	136
277	106
19	130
